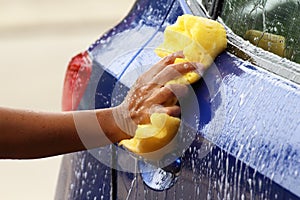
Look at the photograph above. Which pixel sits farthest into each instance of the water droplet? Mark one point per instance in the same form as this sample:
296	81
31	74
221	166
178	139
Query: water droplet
242	197
85	175
296	173
242	99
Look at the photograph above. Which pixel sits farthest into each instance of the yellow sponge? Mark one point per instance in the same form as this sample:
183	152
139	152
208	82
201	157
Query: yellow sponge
201	40
154	136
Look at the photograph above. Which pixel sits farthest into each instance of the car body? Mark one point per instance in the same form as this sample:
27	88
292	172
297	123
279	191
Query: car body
245	144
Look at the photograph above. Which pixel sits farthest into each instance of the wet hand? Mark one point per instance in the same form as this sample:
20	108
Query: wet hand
150	93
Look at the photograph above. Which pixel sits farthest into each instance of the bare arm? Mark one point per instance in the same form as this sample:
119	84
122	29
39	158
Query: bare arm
28	134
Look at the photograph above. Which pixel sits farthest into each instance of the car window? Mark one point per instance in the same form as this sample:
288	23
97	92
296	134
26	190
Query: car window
273	25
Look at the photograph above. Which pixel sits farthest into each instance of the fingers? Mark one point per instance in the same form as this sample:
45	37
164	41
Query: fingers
168	95
170	59
151	94
179	90
174	71
173	111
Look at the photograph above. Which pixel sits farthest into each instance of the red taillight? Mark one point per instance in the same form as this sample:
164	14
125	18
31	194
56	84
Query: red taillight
76	80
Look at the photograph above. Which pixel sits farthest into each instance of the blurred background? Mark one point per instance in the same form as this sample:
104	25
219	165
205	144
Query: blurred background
37	40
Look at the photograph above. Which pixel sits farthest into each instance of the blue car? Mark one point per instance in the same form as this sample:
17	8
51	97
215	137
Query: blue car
242	125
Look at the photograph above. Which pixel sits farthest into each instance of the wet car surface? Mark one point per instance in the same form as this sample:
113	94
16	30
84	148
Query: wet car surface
244	134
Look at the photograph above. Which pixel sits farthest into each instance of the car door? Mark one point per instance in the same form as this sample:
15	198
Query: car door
241	126
90	81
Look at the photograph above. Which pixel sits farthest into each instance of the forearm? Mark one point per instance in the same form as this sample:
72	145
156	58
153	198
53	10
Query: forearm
27	134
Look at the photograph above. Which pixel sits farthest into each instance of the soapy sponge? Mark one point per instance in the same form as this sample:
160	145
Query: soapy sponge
201	40
154	136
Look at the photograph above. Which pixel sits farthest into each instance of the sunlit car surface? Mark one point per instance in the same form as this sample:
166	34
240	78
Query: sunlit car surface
246	142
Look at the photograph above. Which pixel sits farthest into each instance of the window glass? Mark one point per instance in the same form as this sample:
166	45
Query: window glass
273	25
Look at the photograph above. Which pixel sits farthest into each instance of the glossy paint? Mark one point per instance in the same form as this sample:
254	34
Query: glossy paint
246	142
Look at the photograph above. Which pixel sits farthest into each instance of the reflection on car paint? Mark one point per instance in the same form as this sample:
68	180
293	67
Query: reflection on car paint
246	145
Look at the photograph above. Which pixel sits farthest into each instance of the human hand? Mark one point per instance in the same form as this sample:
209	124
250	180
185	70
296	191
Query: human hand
150	93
